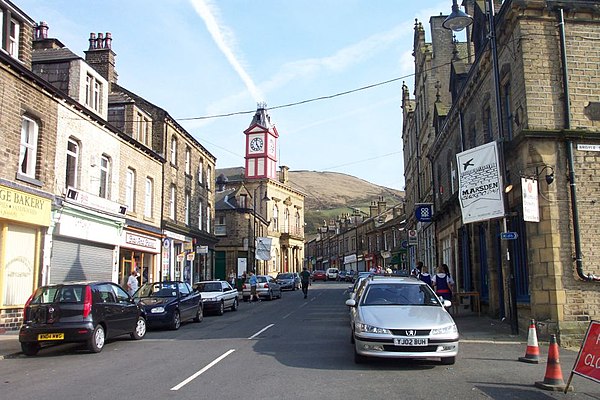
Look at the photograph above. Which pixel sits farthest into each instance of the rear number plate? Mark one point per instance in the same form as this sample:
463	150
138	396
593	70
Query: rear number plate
51	336
411	342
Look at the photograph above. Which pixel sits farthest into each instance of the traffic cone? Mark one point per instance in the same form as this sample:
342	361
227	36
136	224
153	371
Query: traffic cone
532	354
553	380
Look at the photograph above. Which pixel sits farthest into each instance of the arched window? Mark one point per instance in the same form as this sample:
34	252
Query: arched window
275	218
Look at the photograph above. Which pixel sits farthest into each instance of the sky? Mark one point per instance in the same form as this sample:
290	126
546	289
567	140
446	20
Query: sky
329	71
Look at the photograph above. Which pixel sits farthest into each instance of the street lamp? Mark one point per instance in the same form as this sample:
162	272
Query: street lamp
457	22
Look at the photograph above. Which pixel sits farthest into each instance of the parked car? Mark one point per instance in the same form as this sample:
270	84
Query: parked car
267	287
401	318
350	276
342	275
217	296
288	280
318	275
89	312
169	303
332	274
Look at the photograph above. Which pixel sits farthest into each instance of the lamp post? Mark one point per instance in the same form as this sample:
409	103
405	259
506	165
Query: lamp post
256	231
457	21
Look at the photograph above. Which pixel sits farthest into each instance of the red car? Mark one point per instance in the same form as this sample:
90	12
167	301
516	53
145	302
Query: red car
319	275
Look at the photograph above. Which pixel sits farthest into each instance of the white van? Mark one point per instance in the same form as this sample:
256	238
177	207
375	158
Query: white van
332	274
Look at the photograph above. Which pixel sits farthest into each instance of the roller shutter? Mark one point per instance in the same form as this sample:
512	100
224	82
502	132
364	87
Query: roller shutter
80	261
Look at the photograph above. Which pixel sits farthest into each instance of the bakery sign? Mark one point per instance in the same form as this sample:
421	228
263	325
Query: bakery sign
142	241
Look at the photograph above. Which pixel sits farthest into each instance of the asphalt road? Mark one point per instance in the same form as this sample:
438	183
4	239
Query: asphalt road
284	349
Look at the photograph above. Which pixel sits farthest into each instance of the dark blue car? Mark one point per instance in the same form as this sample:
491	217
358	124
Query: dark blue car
169	303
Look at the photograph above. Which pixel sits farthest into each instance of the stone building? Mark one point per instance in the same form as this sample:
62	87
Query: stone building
187	185
544	126
27	174
260	214
104	221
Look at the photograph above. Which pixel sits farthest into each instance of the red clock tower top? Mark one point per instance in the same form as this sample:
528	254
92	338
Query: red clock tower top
261	146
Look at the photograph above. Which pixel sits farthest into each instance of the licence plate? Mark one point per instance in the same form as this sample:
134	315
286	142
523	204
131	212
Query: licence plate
411	342
51	336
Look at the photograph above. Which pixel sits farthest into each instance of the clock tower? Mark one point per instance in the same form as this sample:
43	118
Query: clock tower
261	146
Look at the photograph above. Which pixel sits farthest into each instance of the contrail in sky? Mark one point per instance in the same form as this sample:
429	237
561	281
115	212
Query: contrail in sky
221	35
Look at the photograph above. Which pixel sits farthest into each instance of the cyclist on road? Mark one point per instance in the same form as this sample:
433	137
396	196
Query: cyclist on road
305	281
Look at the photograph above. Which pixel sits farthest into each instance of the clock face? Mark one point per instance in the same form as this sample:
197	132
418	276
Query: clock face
271	146
256	144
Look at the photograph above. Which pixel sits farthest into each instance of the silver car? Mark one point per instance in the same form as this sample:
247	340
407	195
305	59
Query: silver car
401	318
267	288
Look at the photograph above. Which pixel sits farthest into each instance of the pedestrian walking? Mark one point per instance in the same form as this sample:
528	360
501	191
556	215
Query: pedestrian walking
417	270
253	281
132	282
305	281
443	283
425	276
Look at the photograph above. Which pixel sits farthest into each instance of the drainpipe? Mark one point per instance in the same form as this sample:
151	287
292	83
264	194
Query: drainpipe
572	184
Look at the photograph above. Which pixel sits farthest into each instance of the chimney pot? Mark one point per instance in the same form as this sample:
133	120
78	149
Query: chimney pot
108	41
100	41
92	41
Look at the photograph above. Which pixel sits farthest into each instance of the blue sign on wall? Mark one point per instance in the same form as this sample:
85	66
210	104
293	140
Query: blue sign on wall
424	212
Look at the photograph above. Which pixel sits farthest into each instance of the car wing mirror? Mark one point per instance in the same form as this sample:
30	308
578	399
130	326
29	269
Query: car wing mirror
351	303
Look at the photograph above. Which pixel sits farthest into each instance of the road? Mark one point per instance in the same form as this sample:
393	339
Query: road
285	349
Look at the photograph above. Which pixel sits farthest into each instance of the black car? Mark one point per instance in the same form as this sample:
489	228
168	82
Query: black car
168	303
88	312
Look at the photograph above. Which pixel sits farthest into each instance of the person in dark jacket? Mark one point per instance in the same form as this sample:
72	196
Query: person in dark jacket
305	281
425	277
443	283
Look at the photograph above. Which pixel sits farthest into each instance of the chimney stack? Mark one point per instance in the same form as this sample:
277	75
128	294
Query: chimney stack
373	209
284	175
381	205
41	40
101	57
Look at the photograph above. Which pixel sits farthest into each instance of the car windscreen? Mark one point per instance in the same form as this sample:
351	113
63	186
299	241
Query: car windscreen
285	276
399	294
209	287
158	289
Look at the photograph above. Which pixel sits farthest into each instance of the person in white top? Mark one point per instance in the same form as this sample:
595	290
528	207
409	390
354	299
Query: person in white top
132	283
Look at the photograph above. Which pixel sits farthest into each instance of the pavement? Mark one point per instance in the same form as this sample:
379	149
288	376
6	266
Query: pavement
471	327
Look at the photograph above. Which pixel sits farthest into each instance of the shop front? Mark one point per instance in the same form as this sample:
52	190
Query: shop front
140	249
25	216
84	244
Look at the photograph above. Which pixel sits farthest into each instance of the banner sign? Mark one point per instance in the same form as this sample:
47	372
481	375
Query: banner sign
531	206
480	183
588	360
424	212
263	248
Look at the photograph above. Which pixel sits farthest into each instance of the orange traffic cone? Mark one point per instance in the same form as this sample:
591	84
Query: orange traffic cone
553	380
532	354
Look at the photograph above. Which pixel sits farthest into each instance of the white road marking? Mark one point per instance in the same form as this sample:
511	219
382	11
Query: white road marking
261	331
197	374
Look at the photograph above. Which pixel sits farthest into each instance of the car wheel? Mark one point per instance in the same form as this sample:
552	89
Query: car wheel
30	349
221	309
199	314
96	342
176	321
235	305
448	360
140	329
358	358
246	299
270	295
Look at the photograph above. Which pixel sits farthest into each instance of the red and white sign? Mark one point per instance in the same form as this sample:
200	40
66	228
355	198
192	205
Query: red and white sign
588	360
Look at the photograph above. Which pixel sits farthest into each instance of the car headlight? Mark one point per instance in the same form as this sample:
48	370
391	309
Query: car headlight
444	330
157	310
371	329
